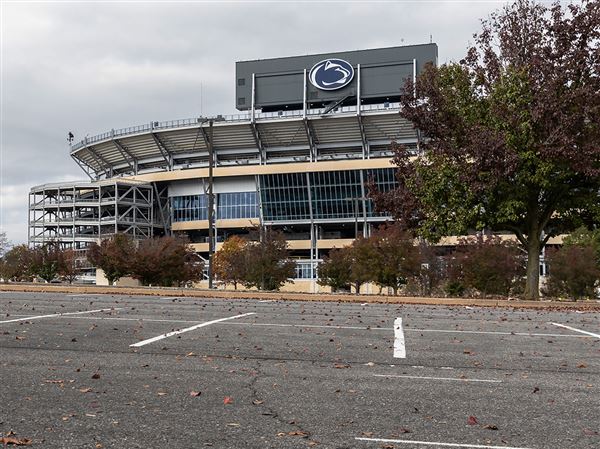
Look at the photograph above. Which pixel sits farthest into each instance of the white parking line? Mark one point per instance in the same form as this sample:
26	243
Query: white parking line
29	318
433	443
576	330
399	348
321	326
187	329
457	379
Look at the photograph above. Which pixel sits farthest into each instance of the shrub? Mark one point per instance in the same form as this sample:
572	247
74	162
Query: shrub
266	262
573	271
485	264
336	269
229	261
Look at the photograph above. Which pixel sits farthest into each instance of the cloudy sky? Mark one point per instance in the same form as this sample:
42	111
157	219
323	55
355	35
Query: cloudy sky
87	67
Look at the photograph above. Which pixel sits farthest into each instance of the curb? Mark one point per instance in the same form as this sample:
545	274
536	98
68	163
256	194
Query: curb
277	296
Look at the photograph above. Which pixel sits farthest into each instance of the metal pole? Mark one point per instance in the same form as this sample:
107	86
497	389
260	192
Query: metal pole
211	243
356	218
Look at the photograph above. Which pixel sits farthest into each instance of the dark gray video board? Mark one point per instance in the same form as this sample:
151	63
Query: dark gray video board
331	77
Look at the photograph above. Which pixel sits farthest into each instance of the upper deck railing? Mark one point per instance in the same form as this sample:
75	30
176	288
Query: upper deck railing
234	118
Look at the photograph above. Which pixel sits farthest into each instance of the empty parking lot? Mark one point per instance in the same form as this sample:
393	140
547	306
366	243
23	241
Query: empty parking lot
96	371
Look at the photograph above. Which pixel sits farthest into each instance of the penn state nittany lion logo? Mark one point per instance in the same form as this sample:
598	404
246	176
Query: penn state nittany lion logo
331	74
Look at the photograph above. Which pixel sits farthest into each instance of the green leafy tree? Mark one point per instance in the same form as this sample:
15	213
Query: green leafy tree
336	269
229	261
573	271
512	134
267	264
166	261
113	255
16	264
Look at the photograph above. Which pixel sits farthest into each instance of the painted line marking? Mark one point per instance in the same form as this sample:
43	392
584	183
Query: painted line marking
399	347
576	330
58	314
433	443
318	326
187	329
402	376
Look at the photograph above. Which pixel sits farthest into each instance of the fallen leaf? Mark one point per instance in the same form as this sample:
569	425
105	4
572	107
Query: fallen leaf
15	441
403	430
582	365
590	432
228	400
161	393
195	393
233	424
367	434
340	366
536	389
471	420
85	390
490	427
257	402
298	433
96	376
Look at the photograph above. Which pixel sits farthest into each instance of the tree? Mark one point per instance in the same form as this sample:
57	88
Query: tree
336	269
573	271
69	265
113	255
487	265
229	261
267	264
16	264
362	253
512	132
396	258
166	261
585	237
46	261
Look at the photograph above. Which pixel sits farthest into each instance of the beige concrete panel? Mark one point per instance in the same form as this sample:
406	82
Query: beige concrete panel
245	170
189	225
333	243
298	244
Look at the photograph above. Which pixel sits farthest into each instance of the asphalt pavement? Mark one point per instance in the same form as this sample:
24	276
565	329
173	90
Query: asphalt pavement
100	371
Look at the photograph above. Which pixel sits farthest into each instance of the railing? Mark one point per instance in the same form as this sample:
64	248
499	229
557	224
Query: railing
233	118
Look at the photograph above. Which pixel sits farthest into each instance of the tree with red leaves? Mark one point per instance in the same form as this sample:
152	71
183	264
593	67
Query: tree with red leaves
511	132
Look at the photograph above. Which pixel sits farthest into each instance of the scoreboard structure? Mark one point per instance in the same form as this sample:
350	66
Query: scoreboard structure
344	78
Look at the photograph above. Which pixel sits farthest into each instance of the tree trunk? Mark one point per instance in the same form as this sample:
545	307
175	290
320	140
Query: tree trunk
532	286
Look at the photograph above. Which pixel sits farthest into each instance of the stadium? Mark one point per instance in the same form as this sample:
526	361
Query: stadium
310	132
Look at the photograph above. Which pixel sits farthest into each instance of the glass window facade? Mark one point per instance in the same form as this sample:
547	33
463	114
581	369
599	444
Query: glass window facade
189	208
237	205
303	269
285	197
334	194
229	206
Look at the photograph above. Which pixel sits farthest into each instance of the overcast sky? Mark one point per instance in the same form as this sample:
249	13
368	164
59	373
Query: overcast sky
87	67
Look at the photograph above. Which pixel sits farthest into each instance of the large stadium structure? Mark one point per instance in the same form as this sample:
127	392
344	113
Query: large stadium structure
311	131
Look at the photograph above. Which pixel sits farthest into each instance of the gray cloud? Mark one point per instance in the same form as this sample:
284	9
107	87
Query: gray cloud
90	67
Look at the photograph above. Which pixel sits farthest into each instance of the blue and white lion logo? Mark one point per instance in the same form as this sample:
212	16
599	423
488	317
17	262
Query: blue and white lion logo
331	74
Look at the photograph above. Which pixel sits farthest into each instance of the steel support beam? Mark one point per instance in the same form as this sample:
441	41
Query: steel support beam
163	150
311	141
259	145
126	155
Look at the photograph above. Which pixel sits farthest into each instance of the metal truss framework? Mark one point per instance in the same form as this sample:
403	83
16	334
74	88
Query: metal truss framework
77	214
360	132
